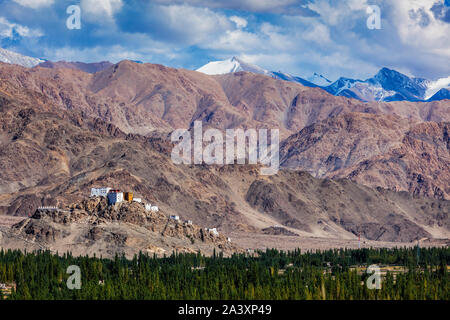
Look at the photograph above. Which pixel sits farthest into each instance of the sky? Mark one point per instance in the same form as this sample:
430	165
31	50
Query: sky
299	37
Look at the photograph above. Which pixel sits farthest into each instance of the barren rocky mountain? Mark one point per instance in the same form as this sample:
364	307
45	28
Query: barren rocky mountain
291	106
142	98
375	150
63	131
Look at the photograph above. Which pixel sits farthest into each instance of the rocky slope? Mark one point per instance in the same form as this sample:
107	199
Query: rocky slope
375	150
340	208
93	227
55	158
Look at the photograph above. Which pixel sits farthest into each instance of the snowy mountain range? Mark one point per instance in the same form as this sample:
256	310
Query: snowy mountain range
11	57
386	85
235	64
391	85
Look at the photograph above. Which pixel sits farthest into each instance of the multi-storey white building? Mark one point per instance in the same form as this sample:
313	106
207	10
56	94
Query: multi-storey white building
100	192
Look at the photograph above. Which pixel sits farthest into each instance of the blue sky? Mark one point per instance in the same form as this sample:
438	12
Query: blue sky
295	36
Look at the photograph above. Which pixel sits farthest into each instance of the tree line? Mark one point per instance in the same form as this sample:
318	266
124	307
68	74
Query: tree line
271	274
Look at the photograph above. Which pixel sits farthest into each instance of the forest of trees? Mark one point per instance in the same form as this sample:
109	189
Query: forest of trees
272	274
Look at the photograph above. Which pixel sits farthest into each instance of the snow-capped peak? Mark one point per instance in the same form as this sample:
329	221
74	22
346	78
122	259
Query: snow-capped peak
319	80
434	86
7	56
233	64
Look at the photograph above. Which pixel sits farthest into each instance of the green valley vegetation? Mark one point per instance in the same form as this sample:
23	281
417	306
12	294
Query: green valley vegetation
271	274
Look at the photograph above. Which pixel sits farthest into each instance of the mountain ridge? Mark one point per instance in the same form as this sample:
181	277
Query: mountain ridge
386	85
86	67
7	56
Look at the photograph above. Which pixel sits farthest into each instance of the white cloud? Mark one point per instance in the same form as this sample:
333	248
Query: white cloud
235	41
334	14
100	8
435	35
411	40
35	4
336	43
267	59
239	21
318	33
246	5
113	54
192	25
436	85
6	29
266	38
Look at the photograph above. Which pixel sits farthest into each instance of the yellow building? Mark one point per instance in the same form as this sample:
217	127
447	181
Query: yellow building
128	196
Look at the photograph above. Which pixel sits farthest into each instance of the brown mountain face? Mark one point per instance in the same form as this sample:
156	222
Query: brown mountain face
143	98
55	158
375	150
291	107
86	67
137	98
63	131
340	207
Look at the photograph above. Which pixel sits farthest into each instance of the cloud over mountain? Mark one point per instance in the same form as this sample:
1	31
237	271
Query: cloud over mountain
303	37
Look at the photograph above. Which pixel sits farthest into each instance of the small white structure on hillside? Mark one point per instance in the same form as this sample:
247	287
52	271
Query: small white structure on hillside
154	209
148	207
189	222
176	218
48	208
137	200
213	231
100	192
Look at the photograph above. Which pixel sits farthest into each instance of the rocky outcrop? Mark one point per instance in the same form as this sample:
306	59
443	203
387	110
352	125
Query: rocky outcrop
343	209
93	222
